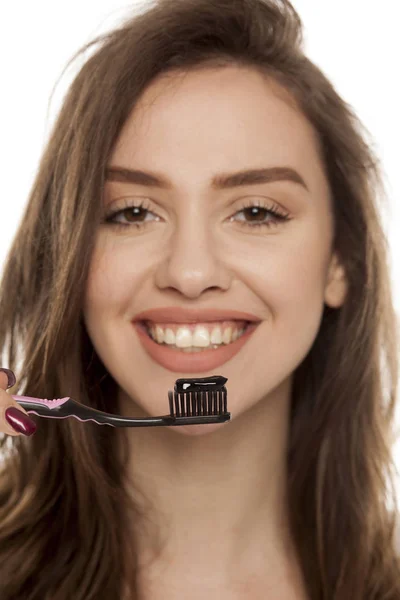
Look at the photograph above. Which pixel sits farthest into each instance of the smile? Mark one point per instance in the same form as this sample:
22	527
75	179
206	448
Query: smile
192	359
196	337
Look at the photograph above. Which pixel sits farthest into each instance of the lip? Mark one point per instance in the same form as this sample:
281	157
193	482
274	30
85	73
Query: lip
179	362
174	314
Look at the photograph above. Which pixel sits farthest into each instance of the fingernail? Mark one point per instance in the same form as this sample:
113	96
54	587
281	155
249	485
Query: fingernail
20	421
11	377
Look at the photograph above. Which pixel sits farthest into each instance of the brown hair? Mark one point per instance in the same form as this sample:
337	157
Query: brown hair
61	494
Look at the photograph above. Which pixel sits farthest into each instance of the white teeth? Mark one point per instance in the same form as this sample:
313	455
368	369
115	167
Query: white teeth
201	338
159	334
185	339
169	337
227	335
216	336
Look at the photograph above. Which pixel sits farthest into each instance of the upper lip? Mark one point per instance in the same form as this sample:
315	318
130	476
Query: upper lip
174	314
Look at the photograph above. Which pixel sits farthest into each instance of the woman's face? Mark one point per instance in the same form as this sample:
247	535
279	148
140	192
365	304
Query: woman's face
196	247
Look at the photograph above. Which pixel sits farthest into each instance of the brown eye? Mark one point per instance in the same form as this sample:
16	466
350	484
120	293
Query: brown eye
258	213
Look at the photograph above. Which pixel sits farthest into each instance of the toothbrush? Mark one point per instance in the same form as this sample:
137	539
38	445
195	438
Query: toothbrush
193	402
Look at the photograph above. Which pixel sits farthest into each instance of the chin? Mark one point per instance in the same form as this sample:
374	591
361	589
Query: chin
198	430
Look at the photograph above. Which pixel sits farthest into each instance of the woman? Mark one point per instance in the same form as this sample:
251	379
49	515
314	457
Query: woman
201	162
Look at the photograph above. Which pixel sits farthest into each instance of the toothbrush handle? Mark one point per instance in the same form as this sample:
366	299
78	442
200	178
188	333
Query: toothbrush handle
62	408
43	408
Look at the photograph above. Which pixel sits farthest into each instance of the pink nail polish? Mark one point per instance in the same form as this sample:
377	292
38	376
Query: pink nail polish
19	421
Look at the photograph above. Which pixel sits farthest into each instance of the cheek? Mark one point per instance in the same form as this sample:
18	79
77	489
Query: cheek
107	283
289	274
292	288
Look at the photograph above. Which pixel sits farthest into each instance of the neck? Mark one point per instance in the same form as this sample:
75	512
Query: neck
215	499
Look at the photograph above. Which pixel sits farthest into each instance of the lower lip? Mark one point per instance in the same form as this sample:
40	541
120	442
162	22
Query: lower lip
179	362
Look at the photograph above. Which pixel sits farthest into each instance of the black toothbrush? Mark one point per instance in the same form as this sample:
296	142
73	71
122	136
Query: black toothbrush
193	402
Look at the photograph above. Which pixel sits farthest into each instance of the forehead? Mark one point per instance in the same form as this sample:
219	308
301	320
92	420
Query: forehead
219	120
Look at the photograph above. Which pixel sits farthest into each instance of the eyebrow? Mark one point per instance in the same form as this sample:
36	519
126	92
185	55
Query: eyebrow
219	182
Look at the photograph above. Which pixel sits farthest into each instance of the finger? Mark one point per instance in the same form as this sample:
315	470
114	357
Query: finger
15	421
3	380
7	376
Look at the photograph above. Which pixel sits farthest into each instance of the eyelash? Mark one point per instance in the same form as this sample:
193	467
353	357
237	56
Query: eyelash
278	216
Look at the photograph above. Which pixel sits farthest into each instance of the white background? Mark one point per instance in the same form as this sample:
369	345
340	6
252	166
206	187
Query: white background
355	42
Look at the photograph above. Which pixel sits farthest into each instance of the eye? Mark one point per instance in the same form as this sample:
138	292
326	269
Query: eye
260	211
257	212
130	210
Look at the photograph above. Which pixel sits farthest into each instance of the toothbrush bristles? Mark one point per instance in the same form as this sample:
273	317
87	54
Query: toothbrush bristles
171	403
192	404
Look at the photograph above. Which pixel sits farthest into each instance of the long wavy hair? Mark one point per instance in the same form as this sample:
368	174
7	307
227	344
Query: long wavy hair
62	499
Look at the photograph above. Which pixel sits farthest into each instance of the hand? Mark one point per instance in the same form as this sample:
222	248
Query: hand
14	420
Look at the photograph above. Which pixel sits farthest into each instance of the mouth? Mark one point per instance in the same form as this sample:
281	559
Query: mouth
193	338
192	359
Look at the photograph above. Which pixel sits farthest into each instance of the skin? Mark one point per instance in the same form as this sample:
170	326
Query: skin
216	493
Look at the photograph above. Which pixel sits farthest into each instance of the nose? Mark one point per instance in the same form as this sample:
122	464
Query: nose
194	260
